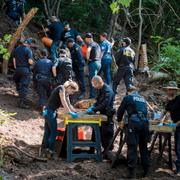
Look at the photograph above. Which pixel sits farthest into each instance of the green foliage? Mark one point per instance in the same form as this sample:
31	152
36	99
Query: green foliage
115	6
4	54
169	57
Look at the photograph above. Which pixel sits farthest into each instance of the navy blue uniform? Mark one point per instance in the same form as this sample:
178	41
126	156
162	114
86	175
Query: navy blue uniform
22	73
42	73
106	50
138	128
64	70
173	107
55	31
78	65
15	9
94	64
104	104
72	33
124	59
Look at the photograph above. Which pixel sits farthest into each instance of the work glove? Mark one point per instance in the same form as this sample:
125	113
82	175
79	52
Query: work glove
90	110
73	114
121	124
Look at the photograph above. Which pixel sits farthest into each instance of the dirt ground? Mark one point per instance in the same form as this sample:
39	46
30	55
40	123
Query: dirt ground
25	129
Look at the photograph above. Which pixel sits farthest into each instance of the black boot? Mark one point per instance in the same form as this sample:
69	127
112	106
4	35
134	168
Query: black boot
130	175
146	172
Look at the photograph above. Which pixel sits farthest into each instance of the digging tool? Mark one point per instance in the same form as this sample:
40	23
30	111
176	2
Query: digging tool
121	144
112	141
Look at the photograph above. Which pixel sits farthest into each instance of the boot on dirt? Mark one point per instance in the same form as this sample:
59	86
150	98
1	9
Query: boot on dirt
146	172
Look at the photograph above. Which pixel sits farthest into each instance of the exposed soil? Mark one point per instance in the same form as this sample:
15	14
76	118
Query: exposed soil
25	130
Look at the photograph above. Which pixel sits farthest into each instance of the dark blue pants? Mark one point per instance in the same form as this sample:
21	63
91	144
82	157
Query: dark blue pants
177	147
79	73
50	129
138	133
107	133
125	73
44	91
15	16
106	69
54	47
94	68
22	79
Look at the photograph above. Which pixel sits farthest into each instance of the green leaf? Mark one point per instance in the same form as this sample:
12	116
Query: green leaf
6	56
114	7
125	3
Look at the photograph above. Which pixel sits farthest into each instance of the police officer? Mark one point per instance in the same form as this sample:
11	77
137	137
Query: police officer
23	59
93	55
172	107
59	97
138	129
42	74
124	59
62	69
55	30
106	57
77	64
15	9
70	33
104	104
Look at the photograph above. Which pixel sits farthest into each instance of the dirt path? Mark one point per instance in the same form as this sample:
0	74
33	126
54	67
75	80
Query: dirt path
25	130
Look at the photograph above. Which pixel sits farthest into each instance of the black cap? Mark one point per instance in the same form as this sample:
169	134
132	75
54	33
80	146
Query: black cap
70	40
89	35
65	23
127	41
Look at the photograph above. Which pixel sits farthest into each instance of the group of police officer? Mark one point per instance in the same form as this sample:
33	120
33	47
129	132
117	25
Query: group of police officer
99	58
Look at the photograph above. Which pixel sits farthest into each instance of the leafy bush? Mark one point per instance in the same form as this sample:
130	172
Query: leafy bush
4	54
169	58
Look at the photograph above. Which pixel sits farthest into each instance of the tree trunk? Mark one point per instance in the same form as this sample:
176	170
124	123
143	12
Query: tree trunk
140	34
113	22
17	35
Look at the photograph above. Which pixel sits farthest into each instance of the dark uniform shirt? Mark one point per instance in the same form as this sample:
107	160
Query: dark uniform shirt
173	106
76	56
125	57
11	5
72	33
106	49
54	101
56	29
43	67
64	69
134	104
22	54
104	99
95	53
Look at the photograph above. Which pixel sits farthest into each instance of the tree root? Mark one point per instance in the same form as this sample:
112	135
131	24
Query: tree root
15	152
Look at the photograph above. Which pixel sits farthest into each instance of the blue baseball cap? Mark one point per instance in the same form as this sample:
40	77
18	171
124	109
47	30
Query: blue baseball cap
28	41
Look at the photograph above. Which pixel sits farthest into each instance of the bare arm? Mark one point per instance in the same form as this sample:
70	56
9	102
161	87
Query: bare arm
54	71
30	61
79	38
14	63
70	105
64	102
88	53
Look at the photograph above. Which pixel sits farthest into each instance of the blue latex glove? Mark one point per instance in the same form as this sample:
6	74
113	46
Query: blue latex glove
90	110
160	124
73	114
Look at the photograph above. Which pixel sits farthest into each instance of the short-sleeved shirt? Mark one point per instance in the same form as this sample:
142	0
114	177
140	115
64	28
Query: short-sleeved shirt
173	106
95	53
56	30
43	67
72	33
125	56
22	54
106	49
54	101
